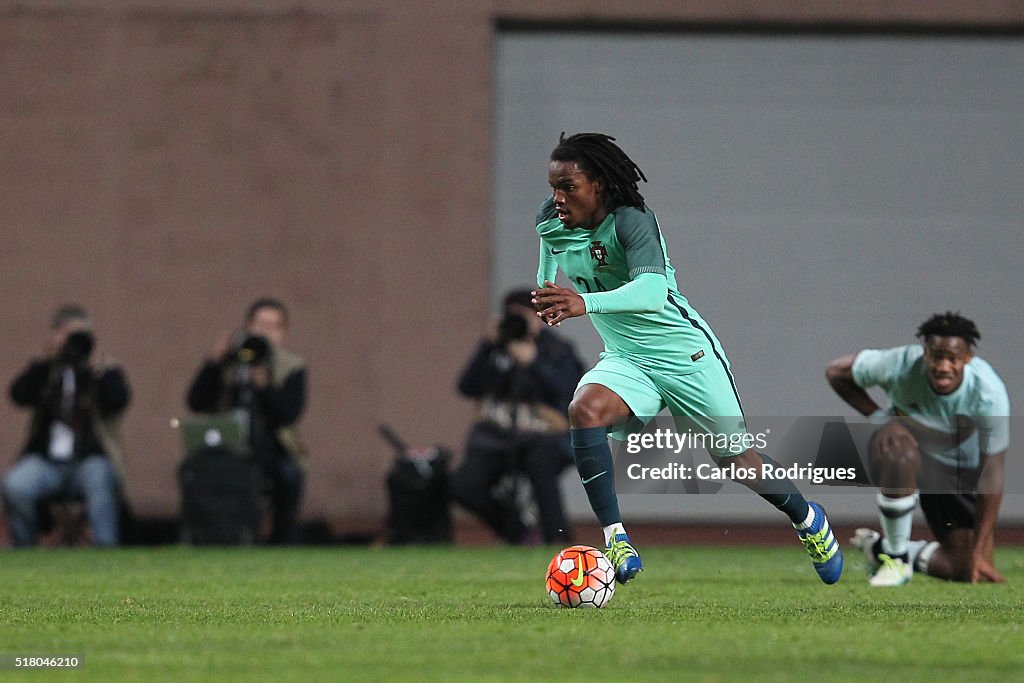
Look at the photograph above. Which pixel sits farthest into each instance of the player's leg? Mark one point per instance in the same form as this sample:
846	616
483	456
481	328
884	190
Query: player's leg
782	493
593	410
608	396
808	518
813	528
708	399
895	460
949	559
949	503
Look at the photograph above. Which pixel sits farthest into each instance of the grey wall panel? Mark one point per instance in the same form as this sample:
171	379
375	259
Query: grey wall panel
818	194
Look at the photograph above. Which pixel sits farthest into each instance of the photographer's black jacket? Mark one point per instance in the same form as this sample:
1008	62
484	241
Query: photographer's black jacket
550	380
101	395
279	405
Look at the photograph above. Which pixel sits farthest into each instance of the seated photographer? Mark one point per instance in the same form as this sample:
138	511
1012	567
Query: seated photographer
251	370
77	397
523	376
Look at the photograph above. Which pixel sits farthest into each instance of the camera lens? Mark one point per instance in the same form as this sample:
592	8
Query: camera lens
77	348
253	349
512	328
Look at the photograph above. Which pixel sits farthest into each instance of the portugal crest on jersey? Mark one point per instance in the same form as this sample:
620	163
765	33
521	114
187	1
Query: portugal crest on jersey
599	253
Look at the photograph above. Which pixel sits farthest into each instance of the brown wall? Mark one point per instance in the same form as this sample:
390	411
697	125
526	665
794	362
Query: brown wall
165	163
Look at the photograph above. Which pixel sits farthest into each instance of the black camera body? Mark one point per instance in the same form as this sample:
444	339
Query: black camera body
513	327
251	349
77	348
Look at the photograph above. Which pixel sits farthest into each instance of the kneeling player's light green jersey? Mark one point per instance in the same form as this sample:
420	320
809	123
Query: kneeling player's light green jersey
957	427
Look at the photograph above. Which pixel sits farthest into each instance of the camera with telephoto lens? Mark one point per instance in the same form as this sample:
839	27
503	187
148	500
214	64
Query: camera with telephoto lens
513	327
251	349
77	348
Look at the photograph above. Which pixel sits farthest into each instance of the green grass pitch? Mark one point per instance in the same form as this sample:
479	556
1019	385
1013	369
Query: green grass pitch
701	614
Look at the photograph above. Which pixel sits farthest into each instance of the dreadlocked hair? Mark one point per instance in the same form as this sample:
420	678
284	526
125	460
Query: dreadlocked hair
950	324
601	159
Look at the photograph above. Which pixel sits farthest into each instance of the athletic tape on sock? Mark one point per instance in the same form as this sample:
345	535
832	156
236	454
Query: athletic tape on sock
897	507
925	556
896	516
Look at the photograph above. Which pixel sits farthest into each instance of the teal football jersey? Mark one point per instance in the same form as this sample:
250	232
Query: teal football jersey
674	339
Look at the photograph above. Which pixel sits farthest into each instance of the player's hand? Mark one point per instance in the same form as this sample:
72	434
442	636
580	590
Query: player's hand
555	304
895	440
982	571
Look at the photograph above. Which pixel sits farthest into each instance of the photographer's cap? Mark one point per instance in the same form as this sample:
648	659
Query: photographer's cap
67	313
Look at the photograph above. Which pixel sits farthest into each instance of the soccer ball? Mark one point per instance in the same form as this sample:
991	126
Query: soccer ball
580	576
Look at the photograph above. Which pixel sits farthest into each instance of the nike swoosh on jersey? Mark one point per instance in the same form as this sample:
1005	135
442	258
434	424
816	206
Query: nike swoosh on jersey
590	479
558	251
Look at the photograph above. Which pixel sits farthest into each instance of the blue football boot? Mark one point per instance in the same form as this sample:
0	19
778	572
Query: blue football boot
822	546
624	558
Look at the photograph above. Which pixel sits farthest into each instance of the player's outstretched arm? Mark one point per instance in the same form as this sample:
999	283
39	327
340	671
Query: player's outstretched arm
990	497
646	293
840	377
548	267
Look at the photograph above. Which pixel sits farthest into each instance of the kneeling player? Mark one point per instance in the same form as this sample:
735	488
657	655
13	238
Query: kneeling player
943	444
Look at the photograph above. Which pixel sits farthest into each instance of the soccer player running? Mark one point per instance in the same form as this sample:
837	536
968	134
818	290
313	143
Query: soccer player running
943	443
659	352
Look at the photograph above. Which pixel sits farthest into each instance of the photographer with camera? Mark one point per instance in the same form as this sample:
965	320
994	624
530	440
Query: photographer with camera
523	376
77	397
251	371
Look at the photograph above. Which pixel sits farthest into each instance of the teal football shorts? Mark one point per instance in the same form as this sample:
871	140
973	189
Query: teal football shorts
703	402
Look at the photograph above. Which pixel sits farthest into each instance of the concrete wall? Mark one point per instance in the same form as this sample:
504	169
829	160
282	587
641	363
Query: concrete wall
165	163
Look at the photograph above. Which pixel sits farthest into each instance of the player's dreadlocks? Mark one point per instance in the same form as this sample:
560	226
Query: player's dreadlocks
603	160
950	324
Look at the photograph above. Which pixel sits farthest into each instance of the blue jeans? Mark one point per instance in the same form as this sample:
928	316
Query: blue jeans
34	478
